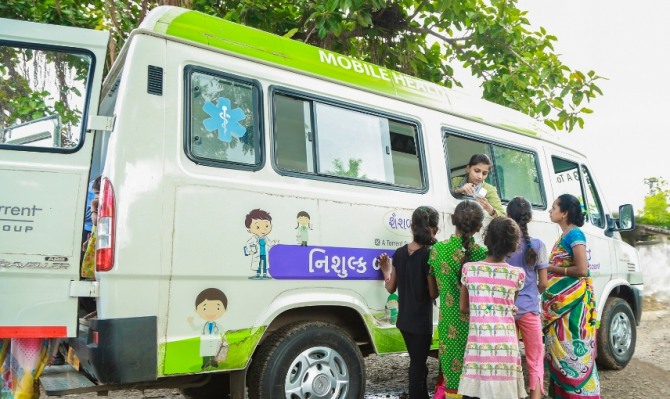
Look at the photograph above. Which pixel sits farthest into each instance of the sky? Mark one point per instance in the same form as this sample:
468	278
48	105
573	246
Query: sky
626	138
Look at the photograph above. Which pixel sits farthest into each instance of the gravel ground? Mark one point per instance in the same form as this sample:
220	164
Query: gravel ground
646	376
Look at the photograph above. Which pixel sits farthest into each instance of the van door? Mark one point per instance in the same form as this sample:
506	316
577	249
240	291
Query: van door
50	79
573	177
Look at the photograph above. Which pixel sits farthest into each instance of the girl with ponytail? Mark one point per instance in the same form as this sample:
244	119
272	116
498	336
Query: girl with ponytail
446	260
532	257
409	274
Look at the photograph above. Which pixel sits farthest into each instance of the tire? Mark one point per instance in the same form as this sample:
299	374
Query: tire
307	360
617	335
217	387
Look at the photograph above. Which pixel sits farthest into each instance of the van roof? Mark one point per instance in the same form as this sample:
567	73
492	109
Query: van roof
196	27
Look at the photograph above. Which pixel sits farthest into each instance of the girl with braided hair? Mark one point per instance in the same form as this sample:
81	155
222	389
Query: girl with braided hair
492	362
446	259
532	257
416	291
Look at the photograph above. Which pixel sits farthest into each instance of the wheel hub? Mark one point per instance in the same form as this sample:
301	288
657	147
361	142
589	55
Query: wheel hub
321	385
317	372
621	334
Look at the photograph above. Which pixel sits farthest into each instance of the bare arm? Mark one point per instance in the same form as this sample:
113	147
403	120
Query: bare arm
94	211
390	282
541	280
581	264
432	287
464	300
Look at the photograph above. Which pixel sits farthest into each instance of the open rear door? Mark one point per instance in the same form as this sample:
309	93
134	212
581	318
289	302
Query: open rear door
50	79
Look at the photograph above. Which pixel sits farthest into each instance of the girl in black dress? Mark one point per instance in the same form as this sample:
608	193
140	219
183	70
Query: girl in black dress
409	273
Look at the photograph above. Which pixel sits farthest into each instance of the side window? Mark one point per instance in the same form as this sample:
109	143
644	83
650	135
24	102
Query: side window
223	125
458	151
517	174
328	140
514	173
594	212
43	96
568	180
294	136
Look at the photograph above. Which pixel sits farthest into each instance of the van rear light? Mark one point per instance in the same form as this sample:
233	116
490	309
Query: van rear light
104	245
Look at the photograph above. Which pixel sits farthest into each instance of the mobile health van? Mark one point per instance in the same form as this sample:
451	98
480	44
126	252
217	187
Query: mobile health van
249	183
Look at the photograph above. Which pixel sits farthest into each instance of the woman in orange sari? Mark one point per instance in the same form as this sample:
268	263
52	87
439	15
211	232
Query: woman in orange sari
569	308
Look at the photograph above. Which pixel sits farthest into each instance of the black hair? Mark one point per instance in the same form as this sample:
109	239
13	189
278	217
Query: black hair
480	158
570	204
211	294
424	219
304	214
520	210
502	237
257	214
96	183
468	218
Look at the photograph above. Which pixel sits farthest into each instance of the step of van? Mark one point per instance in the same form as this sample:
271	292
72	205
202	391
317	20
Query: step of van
64	380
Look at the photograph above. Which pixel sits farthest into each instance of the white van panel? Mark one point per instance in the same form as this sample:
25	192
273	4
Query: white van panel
42	204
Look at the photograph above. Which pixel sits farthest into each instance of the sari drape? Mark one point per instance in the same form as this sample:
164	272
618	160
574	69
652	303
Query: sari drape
569	320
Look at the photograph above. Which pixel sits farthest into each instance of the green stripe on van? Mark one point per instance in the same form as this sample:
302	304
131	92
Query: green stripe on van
257	44
290	54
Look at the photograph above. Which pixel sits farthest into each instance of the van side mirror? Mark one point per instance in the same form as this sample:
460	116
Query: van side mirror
626	218
625	222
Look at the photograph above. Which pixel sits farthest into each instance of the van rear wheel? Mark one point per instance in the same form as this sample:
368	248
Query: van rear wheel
617	335
307	360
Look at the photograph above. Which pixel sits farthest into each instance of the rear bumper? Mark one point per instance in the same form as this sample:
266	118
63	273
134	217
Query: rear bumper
126	350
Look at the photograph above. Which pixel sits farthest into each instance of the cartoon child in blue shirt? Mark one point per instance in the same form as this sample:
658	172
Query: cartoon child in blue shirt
259	224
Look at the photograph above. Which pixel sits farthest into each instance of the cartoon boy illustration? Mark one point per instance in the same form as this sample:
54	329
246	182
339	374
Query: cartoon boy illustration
211	304
303	228
259	224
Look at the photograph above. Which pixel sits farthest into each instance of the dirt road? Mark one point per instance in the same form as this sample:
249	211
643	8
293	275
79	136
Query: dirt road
646	376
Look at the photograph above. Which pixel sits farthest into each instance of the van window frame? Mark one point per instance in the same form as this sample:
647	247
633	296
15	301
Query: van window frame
589	183
583	187
87	96
273	90
259	128
450	131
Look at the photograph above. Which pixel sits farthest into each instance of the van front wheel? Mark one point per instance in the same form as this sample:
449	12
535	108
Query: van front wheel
617	335
307	360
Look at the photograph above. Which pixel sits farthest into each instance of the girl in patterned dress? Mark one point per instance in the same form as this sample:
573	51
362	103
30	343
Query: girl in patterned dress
446	259
532	257
416	291
569	308
492	363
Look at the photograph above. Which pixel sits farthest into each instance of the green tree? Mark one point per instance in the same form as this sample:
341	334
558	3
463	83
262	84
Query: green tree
353	169
492	38
656	207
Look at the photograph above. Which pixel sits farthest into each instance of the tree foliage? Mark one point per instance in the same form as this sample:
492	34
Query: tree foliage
656	207
517	65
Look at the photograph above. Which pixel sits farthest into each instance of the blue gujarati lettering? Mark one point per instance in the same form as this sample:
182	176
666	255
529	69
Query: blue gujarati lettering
399	223
338	264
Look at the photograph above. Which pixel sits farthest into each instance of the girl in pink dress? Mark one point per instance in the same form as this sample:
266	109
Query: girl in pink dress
492	363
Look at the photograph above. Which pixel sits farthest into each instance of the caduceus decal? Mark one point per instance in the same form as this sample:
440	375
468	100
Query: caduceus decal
225	119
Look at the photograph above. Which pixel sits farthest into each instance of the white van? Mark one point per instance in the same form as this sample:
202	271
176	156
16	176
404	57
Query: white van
249	184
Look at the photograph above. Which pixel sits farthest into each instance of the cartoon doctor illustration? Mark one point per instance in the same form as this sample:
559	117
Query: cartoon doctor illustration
259	224
211	304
